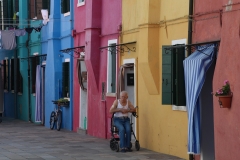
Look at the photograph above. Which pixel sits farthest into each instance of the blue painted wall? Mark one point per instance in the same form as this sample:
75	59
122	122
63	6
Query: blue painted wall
56	36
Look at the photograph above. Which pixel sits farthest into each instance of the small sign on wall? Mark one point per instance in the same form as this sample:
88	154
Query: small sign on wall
130	79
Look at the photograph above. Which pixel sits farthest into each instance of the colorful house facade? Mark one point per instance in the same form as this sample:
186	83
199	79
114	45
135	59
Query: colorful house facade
217	22
94	93
148	27
20	67
56	38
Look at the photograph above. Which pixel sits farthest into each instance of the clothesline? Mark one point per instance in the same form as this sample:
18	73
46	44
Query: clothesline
7	37
10	19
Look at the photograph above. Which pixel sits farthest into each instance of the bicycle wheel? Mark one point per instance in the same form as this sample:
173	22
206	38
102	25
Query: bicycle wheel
52	120
59	120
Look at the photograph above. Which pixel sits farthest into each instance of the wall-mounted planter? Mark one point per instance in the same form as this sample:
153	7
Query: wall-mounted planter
225	101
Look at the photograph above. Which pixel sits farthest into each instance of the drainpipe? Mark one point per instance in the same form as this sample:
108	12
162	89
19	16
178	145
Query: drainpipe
15	74
28	49
190	25
191	156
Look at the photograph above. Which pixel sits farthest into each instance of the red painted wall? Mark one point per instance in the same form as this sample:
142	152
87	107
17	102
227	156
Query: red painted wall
209	27
79	40
95	24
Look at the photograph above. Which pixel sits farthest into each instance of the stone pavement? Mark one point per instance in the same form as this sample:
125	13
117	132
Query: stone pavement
24	140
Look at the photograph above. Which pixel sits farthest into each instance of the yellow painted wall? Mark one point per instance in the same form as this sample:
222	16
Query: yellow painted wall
153	23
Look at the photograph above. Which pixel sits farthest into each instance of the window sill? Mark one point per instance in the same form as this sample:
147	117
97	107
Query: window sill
6	91
66	14
19	93
12	91
110	94
80	4
179	108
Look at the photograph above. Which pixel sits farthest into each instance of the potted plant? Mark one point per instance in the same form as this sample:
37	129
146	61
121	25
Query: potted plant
224	95
61	102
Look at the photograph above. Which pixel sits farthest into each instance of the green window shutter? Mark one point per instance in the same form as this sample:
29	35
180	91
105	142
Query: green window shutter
113	55
12	74
179	98
65	79
166	75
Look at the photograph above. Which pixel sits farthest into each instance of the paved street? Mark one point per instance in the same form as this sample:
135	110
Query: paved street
24	140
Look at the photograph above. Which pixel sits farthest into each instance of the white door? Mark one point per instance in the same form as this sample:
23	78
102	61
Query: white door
83	101
129	87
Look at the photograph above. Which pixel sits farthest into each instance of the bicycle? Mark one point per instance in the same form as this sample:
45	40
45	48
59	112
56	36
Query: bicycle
56	116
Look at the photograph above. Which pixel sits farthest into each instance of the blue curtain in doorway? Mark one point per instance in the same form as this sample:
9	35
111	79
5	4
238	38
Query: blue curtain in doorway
195	68
1	90
38	106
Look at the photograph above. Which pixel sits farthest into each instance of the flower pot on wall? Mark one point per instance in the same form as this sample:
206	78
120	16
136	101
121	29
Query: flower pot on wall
225	101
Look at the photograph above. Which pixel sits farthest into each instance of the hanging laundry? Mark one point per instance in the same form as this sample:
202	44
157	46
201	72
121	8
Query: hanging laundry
0	40
38	29
14	16
20	32
8	40
28	30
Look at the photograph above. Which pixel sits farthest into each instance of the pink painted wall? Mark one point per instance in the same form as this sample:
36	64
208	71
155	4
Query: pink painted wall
79	40
208	27
95	24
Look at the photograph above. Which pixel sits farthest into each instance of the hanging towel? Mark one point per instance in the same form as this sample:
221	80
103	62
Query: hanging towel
20	32
38	106
8	39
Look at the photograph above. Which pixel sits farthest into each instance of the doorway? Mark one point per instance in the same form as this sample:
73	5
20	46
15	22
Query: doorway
130	86
1	94
43	93
82	77
207	123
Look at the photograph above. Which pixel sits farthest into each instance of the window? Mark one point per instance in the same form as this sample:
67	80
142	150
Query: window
6	11
173	85
65	6
12	75
65	79
19	78
111	73
46	5
5	74
36	6
81	3
34	63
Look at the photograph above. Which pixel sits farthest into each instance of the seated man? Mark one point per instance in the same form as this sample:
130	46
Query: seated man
121	120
